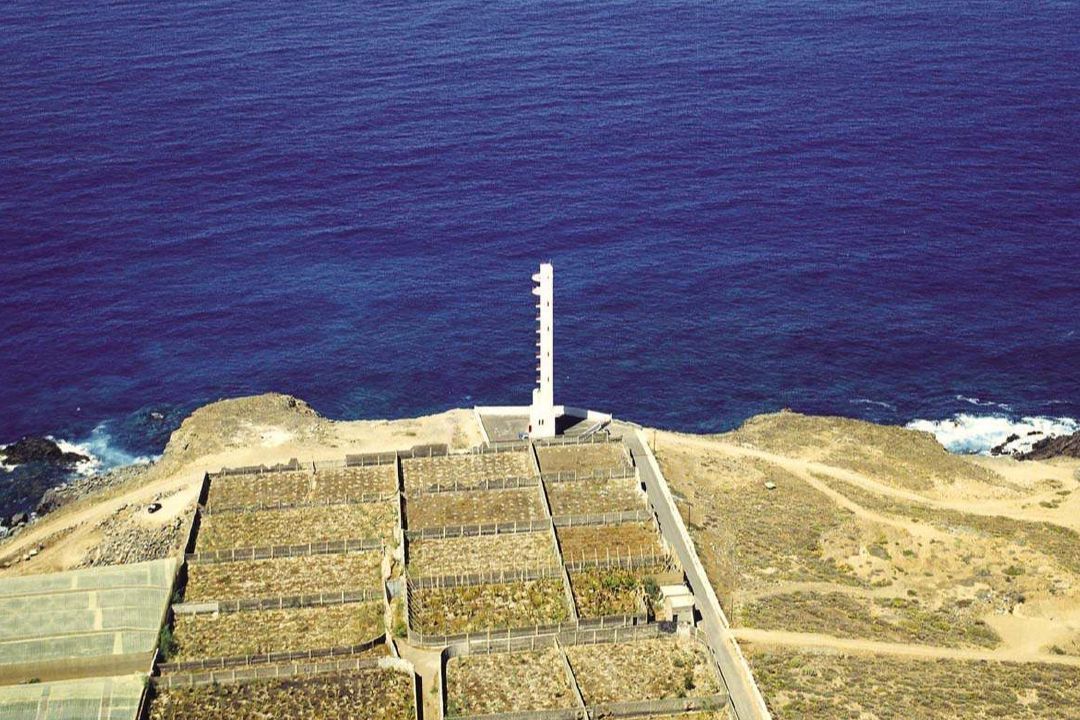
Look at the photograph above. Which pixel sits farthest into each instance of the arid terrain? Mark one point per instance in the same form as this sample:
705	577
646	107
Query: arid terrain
869	574
112	526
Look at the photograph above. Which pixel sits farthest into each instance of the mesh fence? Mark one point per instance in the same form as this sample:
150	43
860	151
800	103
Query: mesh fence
115	698
114	610
156	573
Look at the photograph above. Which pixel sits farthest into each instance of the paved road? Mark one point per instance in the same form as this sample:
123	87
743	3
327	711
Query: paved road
737	676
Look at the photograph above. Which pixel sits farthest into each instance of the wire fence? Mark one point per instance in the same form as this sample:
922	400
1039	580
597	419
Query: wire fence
271	552
609	518
594	439
621	473
485	577
508	483
282	602
292	466
212	508
266	658
248	673
620	557
451	531
606	626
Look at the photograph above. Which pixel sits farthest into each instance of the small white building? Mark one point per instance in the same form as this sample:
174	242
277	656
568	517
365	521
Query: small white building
542	410
679	605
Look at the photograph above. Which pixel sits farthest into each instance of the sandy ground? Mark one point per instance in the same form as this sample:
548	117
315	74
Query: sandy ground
216	436
1033	589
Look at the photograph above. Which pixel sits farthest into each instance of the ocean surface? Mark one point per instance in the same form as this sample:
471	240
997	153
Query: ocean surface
861	208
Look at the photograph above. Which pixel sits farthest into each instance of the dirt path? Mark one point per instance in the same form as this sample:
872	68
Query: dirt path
829	643
787	588
998	507
428	665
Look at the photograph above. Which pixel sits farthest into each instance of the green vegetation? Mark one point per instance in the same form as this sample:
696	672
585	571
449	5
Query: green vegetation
370	694
508	682
802	685
449	611
893	456
267	631
642	670
892	620
1055	541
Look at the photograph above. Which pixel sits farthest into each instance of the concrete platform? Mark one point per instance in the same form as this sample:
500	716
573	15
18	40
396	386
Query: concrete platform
505	425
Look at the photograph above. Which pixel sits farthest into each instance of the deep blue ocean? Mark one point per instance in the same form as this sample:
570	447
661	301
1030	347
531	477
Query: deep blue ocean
862	208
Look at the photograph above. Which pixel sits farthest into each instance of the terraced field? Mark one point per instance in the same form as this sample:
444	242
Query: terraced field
270	631
449	556
283	576
614	591
474	507
584	459
297	488
507	682
466	471
590	542
449	611
296	526
579	497
368	694
643	670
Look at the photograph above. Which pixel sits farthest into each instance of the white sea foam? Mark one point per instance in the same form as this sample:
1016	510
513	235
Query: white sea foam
878	403
977	434
979	402
101	454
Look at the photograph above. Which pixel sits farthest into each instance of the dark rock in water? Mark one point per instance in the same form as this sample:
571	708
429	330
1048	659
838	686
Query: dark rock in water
1000	449
1034	432
31	449
1059	446
20	518
157	416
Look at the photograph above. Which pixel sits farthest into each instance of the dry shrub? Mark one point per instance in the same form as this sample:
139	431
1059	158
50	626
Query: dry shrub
584	459
474	507
748	536
891	455
807	684
449	611
507	682
893	620
448	556
270	631
368	694
296	526
578	497
470	470
283	576
643	670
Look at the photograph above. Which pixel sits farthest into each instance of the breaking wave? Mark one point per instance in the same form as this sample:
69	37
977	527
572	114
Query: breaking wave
102	454
977	434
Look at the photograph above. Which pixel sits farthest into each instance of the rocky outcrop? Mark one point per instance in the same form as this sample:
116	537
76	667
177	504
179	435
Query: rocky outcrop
80	487
34	449
1060	446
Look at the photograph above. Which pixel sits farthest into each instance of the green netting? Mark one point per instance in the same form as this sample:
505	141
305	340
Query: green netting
84	600
114	698
77	646
26	625
156	573
84	613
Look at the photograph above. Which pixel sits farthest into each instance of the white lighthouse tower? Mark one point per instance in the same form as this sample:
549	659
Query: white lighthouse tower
542	410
